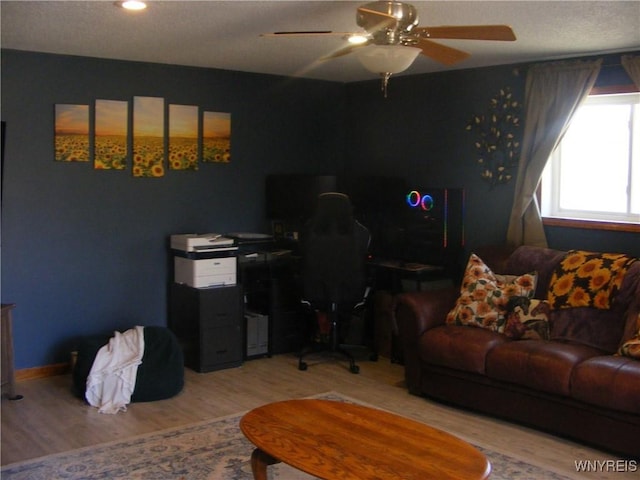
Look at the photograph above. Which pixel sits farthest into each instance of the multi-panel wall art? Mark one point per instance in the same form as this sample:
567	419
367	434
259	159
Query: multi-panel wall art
141	144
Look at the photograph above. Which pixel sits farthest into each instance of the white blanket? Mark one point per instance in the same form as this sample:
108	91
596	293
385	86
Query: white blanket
112	377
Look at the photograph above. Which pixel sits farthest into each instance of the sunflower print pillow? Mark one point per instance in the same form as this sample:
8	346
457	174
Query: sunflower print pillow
587	279
484	296
631	348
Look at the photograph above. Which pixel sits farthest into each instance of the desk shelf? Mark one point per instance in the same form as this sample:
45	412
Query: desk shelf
271	289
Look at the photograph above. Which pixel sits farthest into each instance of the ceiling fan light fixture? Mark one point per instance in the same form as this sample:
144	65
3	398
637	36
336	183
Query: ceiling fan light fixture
387	58
134	5
357	39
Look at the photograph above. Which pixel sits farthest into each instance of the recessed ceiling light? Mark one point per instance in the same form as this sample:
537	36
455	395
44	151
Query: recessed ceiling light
132	5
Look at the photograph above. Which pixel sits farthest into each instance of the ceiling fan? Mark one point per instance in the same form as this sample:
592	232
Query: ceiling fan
395	24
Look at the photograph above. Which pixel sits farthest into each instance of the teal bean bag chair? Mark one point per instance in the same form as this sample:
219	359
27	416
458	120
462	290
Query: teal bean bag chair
159	376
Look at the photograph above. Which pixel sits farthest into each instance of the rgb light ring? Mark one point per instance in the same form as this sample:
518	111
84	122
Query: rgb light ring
426	203
414	198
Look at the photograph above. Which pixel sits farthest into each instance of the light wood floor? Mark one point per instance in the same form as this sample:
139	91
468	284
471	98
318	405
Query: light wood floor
50	419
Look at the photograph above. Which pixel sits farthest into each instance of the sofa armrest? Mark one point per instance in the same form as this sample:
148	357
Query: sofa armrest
415	313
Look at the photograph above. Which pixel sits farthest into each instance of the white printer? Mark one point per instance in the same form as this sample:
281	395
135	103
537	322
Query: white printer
205	260
192	242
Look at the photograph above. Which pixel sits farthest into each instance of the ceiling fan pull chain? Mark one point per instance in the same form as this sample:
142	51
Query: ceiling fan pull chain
385	82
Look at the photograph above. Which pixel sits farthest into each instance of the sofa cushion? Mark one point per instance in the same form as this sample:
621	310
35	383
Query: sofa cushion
527	258
587	279
458	347
595	327
484	296
608	381
601	329
545	366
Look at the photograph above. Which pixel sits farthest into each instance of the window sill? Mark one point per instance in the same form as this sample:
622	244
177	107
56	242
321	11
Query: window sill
591	224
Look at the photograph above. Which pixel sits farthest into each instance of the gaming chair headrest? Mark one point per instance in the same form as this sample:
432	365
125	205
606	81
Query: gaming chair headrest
334	213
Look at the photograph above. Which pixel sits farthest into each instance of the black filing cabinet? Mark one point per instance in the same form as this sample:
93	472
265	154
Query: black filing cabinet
209	325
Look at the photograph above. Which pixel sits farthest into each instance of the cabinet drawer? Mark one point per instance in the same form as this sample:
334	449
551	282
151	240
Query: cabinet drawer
220	306
221	345
219	318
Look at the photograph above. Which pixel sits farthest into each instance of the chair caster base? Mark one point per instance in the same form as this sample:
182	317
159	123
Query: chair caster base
354	368
302	366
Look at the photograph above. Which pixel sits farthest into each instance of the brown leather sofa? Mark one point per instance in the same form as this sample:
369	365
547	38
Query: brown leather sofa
573	384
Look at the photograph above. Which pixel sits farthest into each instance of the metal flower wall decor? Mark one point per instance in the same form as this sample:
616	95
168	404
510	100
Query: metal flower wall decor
496	140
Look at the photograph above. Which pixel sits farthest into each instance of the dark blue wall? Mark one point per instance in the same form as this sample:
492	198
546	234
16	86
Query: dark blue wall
419	132
86	252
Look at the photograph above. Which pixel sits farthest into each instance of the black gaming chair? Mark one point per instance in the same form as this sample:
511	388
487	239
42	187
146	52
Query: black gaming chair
334	249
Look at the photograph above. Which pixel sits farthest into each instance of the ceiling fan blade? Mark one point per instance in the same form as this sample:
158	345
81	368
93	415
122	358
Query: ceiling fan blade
441	53
344	51
381	20
468	32
306	33
376	12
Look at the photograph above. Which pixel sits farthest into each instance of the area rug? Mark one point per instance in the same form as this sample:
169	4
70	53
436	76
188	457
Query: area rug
213	449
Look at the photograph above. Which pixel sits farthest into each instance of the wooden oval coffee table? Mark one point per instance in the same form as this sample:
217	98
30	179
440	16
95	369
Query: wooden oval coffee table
338	440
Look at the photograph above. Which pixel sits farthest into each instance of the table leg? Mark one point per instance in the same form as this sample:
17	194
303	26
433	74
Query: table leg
259	463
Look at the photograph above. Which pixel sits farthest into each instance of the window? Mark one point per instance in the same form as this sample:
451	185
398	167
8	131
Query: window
594	173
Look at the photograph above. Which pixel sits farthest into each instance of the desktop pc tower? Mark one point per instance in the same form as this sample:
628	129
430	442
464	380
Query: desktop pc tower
433	225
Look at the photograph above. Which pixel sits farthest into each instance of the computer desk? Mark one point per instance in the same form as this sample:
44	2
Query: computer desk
397	271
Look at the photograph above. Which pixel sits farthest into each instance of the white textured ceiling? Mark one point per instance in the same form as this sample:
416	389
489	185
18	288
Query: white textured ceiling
226	34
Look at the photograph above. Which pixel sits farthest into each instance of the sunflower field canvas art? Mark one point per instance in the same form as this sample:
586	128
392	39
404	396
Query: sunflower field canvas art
148	137
216	137
183	137
110	139
71	133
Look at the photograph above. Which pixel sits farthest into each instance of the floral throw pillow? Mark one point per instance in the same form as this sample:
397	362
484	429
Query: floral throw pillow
484	296
631	348
587	279
527	319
